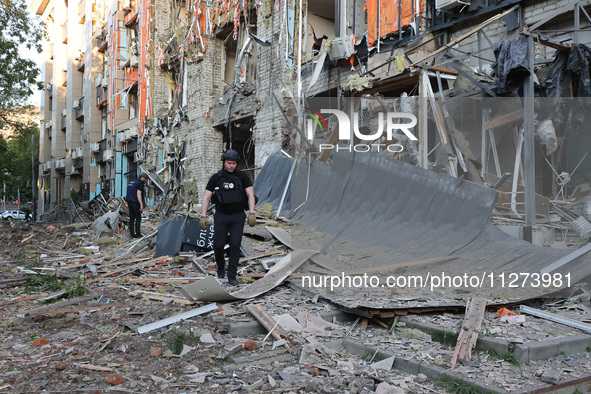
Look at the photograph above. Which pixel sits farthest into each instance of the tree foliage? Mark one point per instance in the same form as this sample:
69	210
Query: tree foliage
18	78
17	155
17	74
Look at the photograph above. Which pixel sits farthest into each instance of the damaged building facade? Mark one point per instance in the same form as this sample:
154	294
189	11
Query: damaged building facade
165	87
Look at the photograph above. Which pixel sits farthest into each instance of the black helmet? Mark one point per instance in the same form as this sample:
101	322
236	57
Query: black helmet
231	155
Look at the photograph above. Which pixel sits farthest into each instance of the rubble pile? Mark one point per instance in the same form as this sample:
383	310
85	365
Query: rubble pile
91	311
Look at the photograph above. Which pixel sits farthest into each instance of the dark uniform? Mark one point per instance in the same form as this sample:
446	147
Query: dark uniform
229	217
135	206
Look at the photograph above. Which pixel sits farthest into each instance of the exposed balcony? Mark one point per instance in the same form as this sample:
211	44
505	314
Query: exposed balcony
63	121
101	96
131	12
130	19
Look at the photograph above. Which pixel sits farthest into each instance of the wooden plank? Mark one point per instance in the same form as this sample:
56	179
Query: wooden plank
28	238
386	314
242	260
161	297
266	320
140	264
156	280
44	309
293	141
197	264
381	323
118	264
88	308
364	322
471	326
464	36
95	368
444	70
504	120
258	276
66	241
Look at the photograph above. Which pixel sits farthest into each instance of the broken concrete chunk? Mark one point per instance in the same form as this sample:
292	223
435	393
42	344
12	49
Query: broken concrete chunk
186	349
345	365
288	323
551	377
230	349
255	386
272	381
278	343
384	364
518	319
206	337
386	388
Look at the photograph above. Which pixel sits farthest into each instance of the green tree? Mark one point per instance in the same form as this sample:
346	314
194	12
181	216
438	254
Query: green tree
21	152
17	75
18	78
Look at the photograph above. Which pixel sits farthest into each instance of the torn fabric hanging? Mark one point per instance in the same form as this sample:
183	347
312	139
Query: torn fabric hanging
511	66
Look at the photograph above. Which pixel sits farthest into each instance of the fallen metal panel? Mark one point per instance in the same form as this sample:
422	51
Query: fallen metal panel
281	235
366	210
176	318
209	290
555	318
182	234
566	259
269	184
168	242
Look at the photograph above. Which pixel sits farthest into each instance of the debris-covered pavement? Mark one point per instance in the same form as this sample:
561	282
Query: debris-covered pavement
75	302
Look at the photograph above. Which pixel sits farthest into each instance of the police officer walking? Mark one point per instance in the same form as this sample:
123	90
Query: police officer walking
136	202
232	193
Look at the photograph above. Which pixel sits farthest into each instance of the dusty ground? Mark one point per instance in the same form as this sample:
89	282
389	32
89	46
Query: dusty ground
93	345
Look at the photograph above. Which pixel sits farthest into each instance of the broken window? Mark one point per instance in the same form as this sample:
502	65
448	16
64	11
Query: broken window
385	18
320	21
229	59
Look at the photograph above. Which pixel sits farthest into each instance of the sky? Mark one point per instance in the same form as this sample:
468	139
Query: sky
34	99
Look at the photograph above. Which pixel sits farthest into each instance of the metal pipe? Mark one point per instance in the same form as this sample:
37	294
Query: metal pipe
293	164
528	145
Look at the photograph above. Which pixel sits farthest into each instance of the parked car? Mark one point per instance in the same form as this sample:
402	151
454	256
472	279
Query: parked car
14	214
